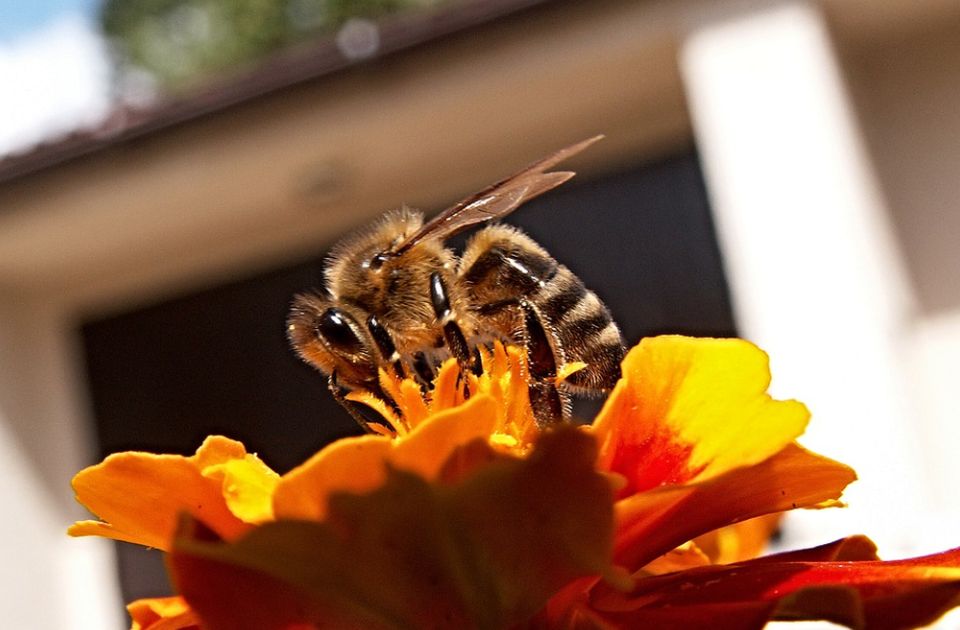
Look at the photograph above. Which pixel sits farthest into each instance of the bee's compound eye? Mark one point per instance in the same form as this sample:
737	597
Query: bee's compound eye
334	327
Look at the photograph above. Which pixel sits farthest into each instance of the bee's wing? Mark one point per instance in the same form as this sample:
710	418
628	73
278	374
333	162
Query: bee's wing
498	199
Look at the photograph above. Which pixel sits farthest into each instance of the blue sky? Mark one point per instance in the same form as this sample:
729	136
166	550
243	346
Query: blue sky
19	17
53	53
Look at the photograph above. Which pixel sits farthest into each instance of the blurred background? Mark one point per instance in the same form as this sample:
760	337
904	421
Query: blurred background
173	171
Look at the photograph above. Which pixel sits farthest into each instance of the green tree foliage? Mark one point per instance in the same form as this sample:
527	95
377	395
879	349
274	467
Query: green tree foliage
182	42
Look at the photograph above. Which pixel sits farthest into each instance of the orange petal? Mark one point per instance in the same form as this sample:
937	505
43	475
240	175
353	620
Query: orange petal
412	406
690	408
217	449
360	464
654	522
350	464
508	378
139	495
484	552
162	613
447	392
855	593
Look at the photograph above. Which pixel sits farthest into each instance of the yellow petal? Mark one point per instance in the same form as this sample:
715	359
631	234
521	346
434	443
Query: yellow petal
690	409
248	486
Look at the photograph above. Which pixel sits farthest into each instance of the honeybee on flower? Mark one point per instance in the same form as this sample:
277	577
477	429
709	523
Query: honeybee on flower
397	298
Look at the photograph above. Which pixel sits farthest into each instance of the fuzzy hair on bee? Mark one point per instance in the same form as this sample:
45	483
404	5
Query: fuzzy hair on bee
398	298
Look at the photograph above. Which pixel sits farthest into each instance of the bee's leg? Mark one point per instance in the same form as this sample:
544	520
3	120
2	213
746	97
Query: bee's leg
453	336
424	371
549	404
364	415
385	345
477	362
419	368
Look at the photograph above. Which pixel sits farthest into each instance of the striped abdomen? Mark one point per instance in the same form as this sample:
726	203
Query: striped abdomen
503	268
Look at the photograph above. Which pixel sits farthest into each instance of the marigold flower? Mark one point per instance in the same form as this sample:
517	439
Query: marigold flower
465	514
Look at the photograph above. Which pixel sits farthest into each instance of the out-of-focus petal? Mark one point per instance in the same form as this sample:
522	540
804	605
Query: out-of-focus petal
162	613
855	593
740	541
360	464
487	551
139	495
654	522
690	409
684	557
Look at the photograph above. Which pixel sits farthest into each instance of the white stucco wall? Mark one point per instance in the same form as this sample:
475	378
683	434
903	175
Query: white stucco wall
908	96
47	580
816	276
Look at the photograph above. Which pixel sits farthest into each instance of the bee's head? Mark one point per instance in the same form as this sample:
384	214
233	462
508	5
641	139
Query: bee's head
332	338
368	273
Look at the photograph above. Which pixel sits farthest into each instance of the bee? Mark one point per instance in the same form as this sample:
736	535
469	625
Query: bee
397	298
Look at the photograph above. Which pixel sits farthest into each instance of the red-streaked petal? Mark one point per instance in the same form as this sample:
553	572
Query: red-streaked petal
487	551
654	522
850	549
741	616
688	409
858	594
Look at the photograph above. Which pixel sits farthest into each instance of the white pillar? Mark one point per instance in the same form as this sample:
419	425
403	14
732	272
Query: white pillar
815	275
48	581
